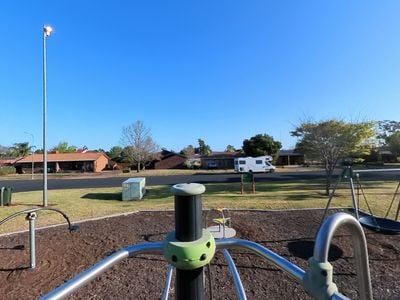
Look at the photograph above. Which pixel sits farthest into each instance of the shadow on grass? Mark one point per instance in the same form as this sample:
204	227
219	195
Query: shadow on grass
302	197
153	193
25	204
103	196
158	193
263	187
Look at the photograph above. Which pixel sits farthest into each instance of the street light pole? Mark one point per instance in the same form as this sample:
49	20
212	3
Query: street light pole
46	33
32	153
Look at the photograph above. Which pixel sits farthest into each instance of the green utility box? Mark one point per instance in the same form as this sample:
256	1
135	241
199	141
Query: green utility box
133	188
5	196
248	177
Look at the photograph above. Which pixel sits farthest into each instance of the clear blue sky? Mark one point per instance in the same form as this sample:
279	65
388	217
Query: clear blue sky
219	70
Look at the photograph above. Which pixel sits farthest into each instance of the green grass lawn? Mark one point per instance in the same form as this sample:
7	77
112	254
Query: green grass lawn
81	204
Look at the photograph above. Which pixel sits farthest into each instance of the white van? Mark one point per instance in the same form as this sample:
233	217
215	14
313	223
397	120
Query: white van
254	164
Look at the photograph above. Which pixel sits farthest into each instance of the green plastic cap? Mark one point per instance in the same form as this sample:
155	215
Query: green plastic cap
189	255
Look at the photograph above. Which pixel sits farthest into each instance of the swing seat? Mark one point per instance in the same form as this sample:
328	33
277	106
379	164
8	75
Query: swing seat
381	225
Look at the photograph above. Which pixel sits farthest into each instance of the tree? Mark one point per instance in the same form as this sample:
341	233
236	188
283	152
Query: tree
115	152
20	149
387	128
230	148
188	151
203	148
332	140
139	145
4	151
393	143
63	147
261	144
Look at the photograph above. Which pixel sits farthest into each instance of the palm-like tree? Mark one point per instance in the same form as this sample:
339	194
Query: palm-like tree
21	149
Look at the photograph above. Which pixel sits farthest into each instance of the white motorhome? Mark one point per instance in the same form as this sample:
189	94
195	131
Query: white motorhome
254	164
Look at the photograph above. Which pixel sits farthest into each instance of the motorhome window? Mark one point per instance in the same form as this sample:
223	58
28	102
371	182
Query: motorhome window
242	162
258	162
235	162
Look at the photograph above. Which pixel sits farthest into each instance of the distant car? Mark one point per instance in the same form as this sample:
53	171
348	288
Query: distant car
212	165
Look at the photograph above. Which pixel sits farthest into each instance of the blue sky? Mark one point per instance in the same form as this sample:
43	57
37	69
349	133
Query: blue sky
219	70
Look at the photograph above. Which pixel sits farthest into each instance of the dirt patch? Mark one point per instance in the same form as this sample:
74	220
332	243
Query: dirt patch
62	255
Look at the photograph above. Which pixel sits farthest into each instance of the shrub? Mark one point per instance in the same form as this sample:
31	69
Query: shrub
4	170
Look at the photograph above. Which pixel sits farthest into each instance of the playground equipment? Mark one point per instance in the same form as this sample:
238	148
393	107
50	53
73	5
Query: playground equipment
223	228
369	220
31	216
189	248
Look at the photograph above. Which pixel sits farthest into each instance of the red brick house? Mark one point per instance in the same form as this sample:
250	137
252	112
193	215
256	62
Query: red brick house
84	161
219	160
168	160
289	157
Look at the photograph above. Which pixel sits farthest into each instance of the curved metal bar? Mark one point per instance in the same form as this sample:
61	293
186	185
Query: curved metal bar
338	296
83	278
28	211
235	274
288	267
323	241
283	264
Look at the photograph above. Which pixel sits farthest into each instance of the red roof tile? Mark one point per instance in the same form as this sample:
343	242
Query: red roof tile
59	157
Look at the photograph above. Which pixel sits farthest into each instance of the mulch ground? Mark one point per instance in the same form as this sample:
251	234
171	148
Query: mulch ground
62	255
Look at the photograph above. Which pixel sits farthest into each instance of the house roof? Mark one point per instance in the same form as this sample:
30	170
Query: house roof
289	152
165	154
223	154
63	157
9	160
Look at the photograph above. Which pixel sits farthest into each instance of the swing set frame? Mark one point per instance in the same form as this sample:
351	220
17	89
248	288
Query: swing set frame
369	220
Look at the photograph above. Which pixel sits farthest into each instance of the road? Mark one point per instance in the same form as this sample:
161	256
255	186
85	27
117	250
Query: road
96	182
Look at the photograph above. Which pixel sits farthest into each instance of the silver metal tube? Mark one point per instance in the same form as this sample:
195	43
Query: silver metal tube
44	121
167	283
353	198
32	239
338	296
291	269
376	170
29	211
331	197
288	267
83	278
323	243
235	274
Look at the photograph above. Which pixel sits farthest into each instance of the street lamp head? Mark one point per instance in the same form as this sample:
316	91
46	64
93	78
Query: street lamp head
47	30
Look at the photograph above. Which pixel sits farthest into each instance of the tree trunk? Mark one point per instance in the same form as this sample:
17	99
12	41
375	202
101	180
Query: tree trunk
327	187
138	165
329	173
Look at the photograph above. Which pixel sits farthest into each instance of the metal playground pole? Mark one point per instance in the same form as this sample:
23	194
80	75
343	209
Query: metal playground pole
188	228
